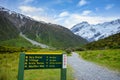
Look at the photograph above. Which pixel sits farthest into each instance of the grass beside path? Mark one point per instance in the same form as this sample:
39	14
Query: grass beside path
108	58
9	70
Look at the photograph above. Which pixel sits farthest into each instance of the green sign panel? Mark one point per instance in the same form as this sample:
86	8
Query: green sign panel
42	61
39	61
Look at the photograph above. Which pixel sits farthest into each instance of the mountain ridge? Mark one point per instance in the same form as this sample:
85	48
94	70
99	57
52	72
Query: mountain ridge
46	33
98	31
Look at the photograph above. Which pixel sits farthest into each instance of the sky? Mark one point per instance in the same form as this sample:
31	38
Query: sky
66	12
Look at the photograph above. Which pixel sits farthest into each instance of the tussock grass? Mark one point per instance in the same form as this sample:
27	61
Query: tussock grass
47	51
16	42
108	58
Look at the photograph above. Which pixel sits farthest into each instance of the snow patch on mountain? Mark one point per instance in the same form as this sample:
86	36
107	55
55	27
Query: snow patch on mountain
98	31
14	13
21	16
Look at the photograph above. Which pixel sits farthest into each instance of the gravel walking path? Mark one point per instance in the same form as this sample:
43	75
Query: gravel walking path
84	70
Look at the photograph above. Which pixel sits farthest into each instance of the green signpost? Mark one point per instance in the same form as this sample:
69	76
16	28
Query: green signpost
42	61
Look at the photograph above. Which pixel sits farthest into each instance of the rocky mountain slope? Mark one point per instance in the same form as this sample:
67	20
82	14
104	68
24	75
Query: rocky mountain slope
7	29
98	31
12	24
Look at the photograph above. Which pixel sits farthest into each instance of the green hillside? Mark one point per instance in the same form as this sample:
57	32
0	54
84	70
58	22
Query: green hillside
52	35
16	42
111	42
15	45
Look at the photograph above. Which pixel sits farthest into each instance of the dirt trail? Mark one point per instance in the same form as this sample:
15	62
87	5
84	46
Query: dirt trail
84	70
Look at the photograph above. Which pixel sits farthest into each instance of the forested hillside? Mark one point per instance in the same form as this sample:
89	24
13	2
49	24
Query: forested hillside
111	42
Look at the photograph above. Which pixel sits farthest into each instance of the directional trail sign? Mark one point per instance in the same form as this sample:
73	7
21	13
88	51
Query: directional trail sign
42	61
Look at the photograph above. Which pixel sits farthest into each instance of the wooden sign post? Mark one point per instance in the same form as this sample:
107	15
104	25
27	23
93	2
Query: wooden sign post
42	61
64	68
21	67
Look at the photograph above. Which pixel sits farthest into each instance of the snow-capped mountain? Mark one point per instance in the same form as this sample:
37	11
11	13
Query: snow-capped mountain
98	31
17	18
21	16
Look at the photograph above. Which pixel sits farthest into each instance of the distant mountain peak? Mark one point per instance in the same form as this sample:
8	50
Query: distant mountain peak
79	26
82	23
98	31
116	21
2	8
